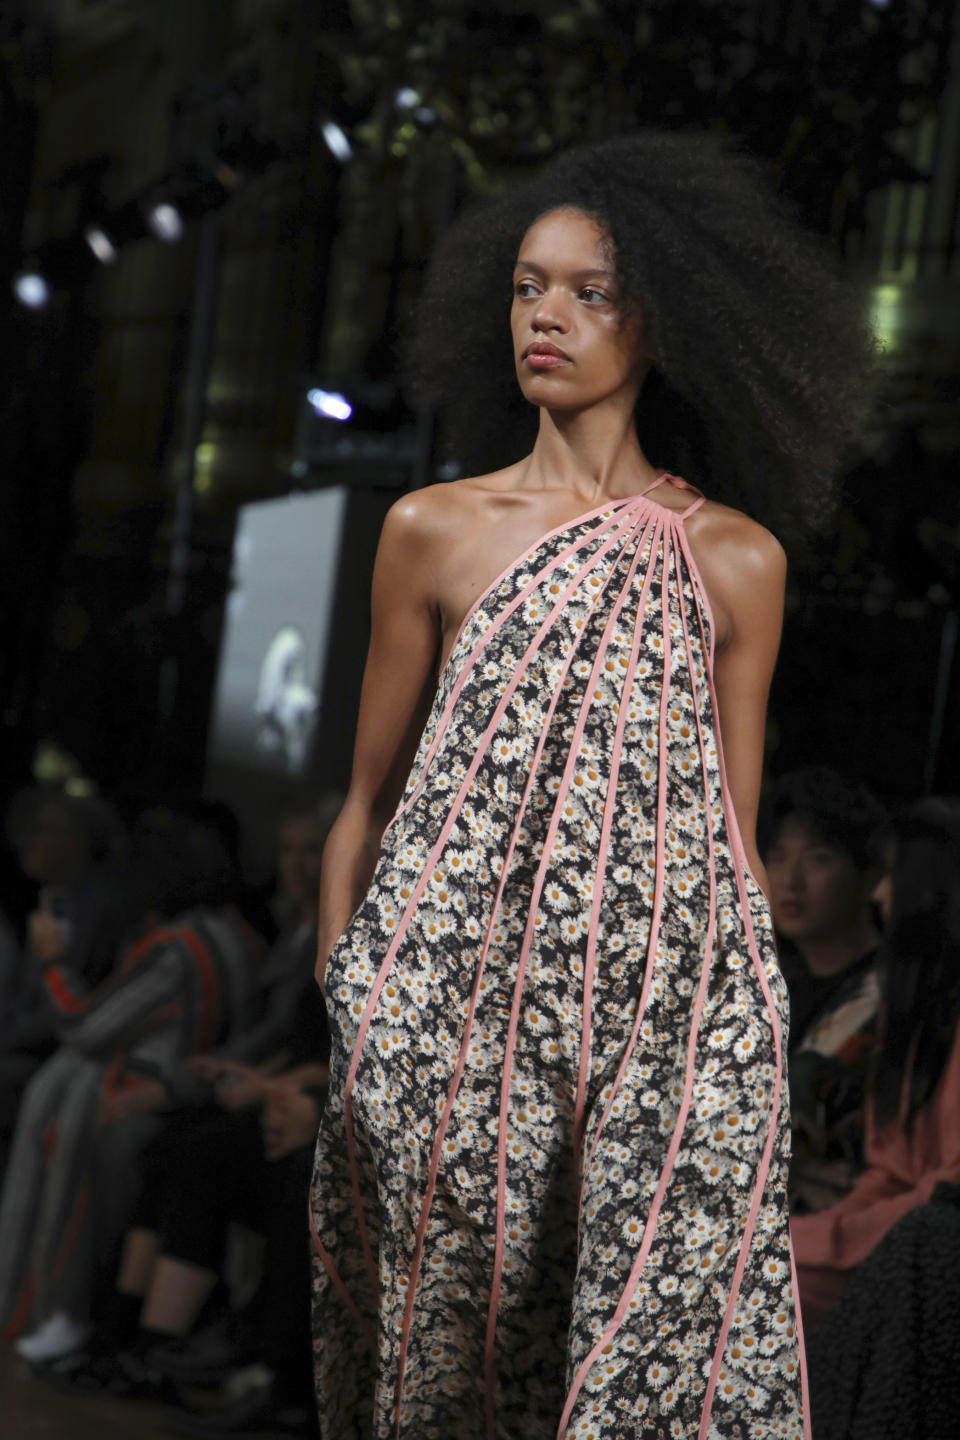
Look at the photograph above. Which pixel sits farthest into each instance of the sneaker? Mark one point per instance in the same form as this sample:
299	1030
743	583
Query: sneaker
56	1337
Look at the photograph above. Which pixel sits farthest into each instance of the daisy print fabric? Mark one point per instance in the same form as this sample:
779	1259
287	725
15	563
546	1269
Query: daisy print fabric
549	1196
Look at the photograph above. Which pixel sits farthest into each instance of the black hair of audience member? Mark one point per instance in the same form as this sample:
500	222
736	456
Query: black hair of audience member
920	958
177	865
218	816
319	814
250	899
843	813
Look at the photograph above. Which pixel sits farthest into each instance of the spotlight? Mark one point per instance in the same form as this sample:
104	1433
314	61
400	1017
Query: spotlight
60	263
166	221
106	235
31	289
101	244
337	141
329	403
409	101
379	442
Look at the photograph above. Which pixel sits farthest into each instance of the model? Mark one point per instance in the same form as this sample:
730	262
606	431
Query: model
549	1195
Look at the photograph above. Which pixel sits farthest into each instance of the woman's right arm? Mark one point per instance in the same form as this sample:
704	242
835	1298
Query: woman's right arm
398	686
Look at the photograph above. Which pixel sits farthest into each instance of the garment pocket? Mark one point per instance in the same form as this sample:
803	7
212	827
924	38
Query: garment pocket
759	904
336	953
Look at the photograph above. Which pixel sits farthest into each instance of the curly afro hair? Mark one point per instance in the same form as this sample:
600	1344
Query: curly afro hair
765	366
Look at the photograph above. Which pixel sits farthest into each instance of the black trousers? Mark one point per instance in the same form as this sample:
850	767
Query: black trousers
207	1169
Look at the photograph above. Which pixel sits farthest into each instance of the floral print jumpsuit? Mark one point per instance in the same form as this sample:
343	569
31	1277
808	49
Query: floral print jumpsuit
549	1196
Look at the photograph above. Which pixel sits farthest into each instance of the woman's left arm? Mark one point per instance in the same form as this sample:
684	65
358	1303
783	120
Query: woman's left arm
752	584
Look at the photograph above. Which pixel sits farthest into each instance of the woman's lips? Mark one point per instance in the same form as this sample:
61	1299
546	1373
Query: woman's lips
544	360
789	909
544	355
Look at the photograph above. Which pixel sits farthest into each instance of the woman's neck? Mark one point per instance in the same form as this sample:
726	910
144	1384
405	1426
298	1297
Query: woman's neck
595	454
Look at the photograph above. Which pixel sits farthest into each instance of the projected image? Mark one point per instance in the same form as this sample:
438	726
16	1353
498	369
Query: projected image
286	705
268	693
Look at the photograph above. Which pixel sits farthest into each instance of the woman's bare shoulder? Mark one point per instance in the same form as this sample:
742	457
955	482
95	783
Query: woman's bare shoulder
735	542
440	512
742	565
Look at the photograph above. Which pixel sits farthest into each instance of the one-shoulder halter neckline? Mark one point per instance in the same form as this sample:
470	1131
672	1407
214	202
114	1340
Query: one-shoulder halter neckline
617	505
676	483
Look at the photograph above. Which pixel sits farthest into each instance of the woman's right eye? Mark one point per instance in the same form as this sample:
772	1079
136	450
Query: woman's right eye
524	289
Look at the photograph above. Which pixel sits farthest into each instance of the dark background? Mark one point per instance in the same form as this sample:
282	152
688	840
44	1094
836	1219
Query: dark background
295	268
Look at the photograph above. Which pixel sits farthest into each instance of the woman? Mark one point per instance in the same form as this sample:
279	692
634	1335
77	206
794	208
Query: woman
913	1112
184	984
549	1196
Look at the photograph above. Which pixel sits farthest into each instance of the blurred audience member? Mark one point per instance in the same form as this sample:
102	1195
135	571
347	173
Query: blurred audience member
913	1111
249	1167
185	985
822	833
251	900
68	846
244	1159
883	1365
287	972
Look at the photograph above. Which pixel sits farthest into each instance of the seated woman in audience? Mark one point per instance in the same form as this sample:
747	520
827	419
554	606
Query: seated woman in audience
913	1110
184	986
69	848
244	1158
286	980
246	1163
251	1168
819	852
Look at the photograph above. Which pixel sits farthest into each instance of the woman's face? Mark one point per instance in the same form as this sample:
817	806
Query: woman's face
574	345
816	888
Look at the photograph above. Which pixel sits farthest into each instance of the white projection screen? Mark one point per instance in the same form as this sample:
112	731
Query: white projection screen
273	654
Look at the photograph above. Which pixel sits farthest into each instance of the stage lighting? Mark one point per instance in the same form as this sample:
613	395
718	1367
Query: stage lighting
330	404
101	244
31	289
337	141
63	262
409	101
166	221
377	448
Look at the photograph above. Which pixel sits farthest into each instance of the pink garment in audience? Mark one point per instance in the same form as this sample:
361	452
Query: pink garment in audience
901	1174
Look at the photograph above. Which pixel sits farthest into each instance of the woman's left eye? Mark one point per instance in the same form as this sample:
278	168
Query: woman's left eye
593	296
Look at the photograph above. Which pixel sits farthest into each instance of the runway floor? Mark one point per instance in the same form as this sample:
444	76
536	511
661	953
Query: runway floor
30	1410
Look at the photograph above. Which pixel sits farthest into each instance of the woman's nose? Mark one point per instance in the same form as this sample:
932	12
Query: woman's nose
795	876
550	313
